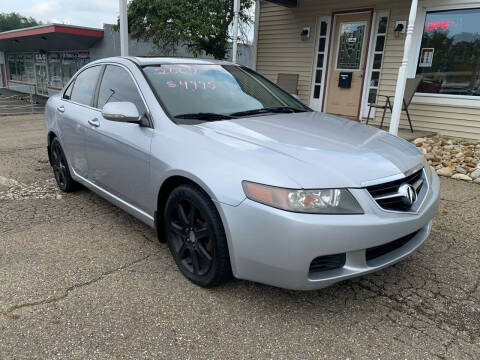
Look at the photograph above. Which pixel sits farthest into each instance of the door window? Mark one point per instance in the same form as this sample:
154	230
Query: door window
350	45
117	85
85	84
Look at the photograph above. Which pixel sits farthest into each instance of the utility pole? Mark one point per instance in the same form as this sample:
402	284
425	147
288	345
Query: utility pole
236	12
123	28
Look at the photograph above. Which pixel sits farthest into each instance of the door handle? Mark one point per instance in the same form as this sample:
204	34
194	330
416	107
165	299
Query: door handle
94	122
61	109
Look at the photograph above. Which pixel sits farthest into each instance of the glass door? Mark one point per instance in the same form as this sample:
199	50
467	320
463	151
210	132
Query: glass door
41	76
348	57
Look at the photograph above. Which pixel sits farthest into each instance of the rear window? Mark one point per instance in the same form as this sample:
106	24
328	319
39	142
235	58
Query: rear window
84	86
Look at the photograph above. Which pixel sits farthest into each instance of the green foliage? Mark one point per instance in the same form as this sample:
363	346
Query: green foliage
12	21
199	25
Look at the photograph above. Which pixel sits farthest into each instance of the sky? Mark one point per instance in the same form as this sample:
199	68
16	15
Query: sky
90	13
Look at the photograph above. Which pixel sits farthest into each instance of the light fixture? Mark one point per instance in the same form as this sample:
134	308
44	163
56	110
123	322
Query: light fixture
305	34
400	28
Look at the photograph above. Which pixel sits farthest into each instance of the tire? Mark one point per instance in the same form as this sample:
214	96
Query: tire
195	236
60	168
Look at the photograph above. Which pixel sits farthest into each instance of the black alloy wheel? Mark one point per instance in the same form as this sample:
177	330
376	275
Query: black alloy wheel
60	168
195	236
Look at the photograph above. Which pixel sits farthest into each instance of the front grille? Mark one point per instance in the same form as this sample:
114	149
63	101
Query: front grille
377	251
327	262
386	195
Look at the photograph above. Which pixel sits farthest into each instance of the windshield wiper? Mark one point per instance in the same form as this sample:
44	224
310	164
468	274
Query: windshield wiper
279	109
204	116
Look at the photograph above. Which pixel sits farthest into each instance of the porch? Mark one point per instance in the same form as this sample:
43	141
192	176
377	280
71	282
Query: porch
304	37
409	136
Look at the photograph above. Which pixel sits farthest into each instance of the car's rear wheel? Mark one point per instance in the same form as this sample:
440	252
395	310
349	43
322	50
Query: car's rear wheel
196	237
60	168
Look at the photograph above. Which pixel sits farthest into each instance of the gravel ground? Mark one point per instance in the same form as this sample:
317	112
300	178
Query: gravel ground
81	279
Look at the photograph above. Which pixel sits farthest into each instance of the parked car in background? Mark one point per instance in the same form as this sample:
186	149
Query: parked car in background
236	175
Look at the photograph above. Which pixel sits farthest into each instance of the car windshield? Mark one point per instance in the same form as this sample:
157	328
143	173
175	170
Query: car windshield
217	92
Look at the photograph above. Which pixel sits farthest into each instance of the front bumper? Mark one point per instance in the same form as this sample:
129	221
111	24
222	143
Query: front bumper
276	247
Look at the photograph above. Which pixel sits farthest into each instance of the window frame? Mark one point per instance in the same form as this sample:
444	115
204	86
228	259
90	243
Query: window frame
437	99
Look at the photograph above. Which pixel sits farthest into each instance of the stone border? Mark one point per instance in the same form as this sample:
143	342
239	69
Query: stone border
452	157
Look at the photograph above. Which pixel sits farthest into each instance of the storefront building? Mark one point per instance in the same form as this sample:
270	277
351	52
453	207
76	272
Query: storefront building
363	41
43	58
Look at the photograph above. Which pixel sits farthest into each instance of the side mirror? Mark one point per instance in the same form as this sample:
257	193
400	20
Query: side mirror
121	111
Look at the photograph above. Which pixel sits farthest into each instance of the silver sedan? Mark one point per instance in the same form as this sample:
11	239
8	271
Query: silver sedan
237	176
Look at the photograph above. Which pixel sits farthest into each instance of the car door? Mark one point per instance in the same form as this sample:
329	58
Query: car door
118	153
73	111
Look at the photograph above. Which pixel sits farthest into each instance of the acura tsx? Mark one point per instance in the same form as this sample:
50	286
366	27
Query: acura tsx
238	176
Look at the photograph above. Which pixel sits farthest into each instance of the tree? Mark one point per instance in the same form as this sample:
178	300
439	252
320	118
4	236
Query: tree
13	21
199	25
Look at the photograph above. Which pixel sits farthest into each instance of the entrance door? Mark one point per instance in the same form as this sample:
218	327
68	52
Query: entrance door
41	75
348	62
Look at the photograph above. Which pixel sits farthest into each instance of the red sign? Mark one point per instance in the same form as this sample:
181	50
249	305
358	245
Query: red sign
435	25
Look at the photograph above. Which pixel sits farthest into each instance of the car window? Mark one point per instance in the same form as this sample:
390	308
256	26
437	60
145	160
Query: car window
118	85
84	86
68	93
221	89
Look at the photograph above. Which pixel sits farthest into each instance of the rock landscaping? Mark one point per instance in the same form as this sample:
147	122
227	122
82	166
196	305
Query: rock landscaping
455	158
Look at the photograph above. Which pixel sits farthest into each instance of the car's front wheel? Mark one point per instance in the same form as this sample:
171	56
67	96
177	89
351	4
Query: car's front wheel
196	237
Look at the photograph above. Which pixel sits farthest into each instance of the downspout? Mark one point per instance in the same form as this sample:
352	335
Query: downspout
255	34
402	72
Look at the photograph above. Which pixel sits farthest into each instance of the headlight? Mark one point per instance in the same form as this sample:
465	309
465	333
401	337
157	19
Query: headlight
322	201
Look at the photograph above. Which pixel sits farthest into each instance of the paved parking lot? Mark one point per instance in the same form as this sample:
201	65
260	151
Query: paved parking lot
81	279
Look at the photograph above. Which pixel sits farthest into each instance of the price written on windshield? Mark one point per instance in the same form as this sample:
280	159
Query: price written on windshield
167	70
193	85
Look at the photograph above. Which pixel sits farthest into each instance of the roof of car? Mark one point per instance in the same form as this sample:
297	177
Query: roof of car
140	60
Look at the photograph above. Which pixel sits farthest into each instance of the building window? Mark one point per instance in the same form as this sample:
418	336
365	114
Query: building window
12	67
54	71
29	68
320	60
379	47
71	62
449	61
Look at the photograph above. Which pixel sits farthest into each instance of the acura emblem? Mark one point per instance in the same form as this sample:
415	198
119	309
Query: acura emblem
408	194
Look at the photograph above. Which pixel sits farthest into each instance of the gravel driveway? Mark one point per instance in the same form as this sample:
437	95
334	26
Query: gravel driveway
80	278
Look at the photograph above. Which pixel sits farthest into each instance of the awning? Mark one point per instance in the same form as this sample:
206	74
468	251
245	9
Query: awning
51	37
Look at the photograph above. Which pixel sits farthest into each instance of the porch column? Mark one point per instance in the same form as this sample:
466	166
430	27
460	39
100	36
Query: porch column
402	72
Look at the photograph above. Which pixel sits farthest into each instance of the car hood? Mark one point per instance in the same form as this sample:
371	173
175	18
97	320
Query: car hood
327	150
